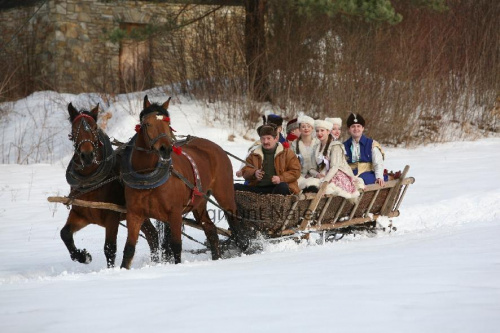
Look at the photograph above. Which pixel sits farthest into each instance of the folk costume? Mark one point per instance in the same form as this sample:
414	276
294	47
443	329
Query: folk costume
366	157
331	162
305	153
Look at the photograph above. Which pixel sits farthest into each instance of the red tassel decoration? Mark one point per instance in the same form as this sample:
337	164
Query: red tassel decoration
177	150
137	128
165	118
286	145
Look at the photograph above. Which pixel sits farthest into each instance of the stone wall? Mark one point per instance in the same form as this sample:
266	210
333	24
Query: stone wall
71	47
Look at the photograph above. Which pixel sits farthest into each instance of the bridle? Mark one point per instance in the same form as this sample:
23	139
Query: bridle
95	141
152	141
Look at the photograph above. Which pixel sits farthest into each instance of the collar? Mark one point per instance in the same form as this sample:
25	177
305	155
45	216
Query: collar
259	151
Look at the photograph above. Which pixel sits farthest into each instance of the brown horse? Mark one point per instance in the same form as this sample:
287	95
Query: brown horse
163	194
93	174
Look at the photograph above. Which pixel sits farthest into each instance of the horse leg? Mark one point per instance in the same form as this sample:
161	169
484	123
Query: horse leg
134	224
166	249
151	234
110	243
73	224
210	230
176	236
226	201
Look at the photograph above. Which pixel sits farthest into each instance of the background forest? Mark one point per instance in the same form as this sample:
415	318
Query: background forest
418	70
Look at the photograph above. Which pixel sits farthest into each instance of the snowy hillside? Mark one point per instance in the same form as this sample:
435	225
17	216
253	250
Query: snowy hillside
440	272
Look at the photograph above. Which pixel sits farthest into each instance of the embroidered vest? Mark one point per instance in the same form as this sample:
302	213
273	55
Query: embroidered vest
365	150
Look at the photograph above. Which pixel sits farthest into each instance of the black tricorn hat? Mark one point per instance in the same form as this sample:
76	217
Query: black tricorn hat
355	119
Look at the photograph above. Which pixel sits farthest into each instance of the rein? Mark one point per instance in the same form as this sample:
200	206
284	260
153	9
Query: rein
192	187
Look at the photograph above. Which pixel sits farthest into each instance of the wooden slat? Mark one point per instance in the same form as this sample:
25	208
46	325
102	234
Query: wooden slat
343	224
389	201
325	208
312	206
340	210
291	213
88	204
121	209
193	224
401	197
356	206
372	202
368	188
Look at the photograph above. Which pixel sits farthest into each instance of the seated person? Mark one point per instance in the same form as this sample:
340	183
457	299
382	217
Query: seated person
292	130
337	127
278	121
304	148
332	166
364	155
270	119
270	169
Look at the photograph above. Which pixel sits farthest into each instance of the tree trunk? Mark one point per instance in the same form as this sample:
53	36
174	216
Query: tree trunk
255	47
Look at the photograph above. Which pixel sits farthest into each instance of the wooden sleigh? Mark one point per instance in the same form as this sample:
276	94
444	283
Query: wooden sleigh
278	215
274	216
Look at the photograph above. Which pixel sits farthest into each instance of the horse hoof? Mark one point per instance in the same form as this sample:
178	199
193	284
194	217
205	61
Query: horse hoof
166	257
82	256
155	258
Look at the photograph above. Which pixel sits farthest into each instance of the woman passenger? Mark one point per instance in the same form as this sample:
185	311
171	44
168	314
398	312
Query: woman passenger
337	126
331	164
305	146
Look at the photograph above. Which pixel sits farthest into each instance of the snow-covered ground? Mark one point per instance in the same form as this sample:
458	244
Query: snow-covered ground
440	272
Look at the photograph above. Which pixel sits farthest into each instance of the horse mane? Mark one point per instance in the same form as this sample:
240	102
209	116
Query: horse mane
154	107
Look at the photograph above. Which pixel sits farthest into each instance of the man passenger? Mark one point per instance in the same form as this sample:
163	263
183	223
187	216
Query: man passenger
364	155
270	168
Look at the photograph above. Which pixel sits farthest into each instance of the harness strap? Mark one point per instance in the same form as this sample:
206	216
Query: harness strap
196	190
191	186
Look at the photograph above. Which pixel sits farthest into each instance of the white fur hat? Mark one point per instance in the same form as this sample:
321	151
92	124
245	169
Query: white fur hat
335	121
323	124
306	120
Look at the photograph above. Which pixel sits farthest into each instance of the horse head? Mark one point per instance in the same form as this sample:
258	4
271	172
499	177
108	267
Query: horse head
155	128
84	134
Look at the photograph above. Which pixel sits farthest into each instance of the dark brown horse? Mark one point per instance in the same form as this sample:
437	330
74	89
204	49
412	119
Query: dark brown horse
163	194
93	174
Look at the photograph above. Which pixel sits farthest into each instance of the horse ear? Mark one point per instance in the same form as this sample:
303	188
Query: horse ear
165	105
94	112
146	102
73	113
